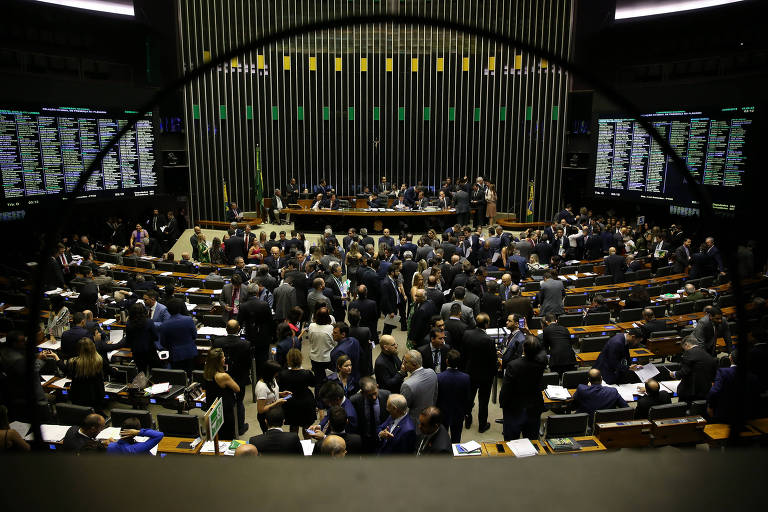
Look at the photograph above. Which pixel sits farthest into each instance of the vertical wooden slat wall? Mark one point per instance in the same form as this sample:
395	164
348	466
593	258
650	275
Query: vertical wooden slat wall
351	105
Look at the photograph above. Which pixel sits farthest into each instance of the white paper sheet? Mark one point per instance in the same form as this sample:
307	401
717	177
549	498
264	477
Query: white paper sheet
109	433
557	393
157	389
109	321
213	331
115	336
394	321
522	448
53	433
51	345
471	446
308	446
22	428
61	382
647	371
193	289
670	385
208	447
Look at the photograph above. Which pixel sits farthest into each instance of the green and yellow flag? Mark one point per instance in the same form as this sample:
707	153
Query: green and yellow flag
226	199
259	180
529	208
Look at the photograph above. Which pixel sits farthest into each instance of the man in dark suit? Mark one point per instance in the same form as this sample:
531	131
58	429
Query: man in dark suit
369	313
80	437
595	396
233	294
370	404
433	438
367	276
333	287
434	295
89	292
172	232
233	213
177	335
516	303
194	242
234	248
480	355
274	441
256	318
70	337
423	311
346	345
557	342
520	396
696	373
455	327
613	361
711	327
714	253
237	352
365	239
682	257
337	425
434	355
477	203
653	396
397	435
461	203
615	265
491	303
454	395
651	324
390	297
388	368
363	335
274	262
728	401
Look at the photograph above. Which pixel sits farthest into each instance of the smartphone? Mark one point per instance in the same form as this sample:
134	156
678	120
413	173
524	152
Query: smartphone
499	448
286	397
311	432
521	322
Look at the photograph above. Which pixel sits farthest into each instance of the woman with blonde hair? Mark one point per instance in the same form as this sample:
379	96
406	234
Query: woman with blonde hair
204	255
490	204
87	373
418	284
219	384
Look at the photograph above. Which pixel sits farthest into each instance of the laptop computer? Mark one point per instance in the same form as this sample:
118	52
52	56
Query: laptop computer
114	385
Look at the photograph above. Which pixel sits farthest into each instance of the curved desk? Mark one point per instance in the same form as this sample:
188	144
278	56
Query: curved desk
378	220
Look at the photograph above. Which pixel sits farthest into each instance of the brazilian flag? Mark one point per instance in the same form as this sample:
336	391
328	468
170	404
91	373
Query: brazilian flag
226	200
259	180
529	208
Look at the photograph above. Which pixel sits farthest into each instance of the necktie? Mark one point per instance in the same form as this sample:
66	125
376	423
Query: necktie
436	359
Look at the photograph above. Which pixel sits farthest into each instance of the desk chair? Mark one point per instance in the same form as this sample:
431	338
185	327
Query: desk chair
197	376
213	321
603	280
662	412
659	311
698	408
670	367
630	276
205	269
603	317
120	415
178	425
683	308
130	370
165	266
593	343
653	291
586	267
174	377
166	280
663	271
702	303
566	425
571	269
611	415
191	282
576	299
533	286
105	257
584	281
224	271
213	285
662	334
631	315
200	299
550	378
643	273
671	287
706	282
130	261
574	378
70	414
570	320
144	264
725	301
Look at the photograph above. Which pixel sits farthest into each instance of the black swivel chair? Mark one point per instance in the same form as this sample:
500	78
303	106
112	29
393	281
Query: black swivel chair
603	317
683	308
120	415
631	315
178	425
174	377
574	378
594	343
70	414
611	415
570	320
567	425
661	412
550	378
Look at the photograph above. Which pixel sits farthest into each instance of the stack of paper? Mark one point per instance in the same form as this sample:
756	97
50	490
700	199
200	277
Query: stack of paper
193	289
468	448
157	389
213	331
108	321
14	308
46	378
53	433
109	433
208	447
166	273
115	336
52	345
23	430
61	382
217	292
522	448
557	393
54	292
190	307
670	385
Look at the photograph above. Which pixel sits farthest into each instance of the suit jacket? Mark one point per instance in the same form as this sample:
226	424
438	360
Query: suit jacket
682	258
284	300
545	251
707	337
615	266
461	201
161	314
226	297
420	321
521	388
238	354
277	442
696	373
521	305
428	361
177	334
653	326
436	297
368	277
360	403
592	398
369	314
353	442
644	404
69	339
404	440
195	247
551	297
491	304
420	390
454	395
480	355
467	315
557	342
386	369
613	360
455	329
438	443
389	296
234	247
89	297
256	318
301	284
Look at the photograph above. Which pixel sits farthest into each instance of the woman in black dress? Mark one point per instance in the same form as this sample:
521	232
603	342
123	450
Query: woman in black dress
218	384
87	373
140	336
300	410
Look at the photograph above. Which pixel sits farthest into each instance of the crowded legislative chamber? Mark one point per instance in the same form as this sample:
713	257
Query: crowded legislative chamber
382	230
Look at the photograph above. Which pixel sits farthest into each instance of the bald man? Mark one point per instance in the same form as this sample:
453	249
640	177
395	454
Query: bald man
594	396
388	367
334	446
246	450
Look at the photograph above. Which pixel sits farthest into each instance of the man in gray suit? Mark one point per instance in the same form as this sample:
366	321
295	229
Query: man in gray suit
420	389
461	202
472	300
467	315
231	299
550	296
316	296
284	299
709	328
